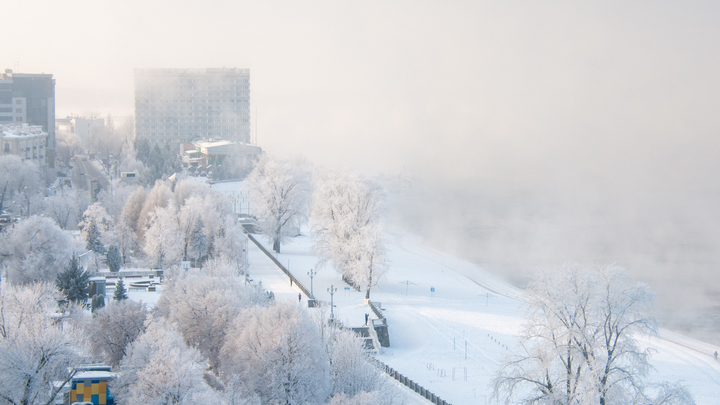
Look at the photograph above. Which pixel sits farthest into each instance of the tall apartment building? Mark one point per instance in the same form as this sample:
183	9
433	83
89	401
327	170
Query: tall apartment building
29	98
175	106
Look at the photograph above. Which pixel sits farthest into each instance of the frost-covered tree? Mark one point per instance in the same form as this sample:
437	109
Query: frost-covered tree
122	236
578	345
95	213
62	208
113	328
114	260
198	241
19	180
73	283
160	369
187	188
226	243
158	197
350	371
188	216
204	303
97	302
163	241
33	249
278	354
92	238
115	197
120	291
133	207
345	220
35	349
279	192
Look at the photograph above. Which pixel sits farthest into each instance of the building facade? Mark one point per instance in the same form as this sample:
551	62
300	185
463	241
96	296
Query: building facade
29	142
84	128
30	98
177	106
213	153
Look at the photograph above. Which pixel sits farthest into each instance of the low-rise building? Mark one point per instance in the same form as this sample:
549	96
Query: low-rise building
29	142
89	384
211	155
84	128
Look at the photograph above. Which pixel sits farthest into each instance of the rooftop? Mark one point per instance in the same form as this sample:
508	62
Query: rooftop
192	71
22	130
8	75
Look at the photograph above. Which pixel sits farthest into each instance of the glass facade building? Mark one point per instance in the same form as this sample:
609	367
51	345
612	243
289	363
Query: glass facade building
29	99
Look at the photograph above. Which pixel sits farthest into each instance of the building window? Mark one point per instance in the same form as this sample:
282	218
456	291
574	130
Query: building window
18	102
18	110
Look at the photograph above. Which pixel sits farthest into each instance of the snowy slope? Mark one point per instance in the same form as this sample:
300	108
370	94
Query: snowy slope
428	331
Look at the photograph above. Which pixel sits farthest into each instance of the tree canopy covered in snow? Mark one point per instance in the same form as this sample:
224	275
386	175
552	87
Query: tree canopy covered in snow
579	346
36	249
345	222
280	191
114	327
35	349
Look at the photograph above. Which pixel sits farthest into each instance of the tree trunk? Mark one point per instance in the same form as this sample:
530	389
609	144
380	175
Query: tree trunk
276	245
367	291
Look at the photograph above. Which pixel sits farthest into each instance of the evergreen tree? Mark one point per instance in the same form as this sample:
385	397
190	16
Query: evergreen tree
198	241
211	246
120	291
73	283
114	259
93	239
98	301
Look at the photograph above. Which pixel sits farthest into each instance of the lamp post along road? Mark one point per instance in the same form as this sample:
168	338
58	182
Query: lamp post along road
311	273
332	290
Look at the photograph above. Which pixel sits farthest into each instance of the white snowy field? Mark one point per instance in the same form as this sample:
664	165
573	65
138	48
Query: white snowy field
429	331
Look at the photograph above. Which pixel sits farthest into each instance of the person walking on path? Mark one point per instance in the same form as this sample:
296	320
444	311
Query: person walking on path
715	355
299	297
367	316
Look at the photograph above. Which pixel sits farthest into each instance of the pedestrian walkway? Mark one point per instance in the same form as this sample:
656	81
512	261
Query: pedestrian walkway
261	268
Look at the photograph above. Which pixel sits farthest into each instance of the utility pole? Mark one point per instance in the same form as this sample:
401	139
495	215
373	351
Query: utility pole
332	290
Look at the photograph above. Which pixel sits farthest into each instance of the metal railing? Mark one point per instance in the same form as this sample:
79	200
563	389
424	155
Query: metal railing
409	383
280	266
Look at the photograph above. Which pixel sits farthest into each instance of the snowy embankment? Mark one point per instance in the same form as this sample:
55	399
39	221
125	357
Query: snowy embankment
429	330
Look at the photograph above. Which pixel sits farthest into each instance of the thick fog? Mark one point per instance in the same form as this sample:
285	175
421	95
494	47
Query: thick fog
532	133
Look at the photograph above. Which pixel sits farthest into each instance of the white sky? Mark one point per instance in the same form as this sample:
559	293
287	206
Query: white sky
461	87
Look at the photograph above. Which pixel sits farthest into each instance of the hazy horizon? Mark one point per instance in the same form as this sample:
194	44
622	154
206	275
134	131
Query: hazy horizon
554	131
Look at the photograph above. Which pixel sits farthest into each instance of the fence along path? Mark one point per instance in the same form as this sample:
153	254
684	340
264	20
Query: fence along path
384	367
282	268
409	383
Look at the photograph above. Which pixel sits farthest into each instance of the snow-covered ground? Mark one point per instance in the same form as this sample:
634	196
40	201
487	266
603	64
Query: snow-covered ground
430	330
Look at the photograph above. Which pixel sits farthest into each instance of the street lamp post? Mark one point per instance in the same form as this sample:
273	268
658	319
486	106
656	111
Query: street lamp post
332	290
311	273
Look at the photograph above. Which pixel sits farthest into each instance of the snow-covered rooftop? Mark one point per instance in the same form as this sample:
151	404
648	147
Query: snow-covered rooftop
21	130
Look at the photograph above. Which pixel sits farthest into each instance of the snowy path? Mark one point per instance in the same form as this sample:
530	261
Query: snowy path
273	279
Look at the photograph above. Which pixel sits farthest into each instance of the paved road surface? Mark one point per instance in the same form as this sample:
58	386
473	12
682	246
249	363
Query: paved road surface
90	171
